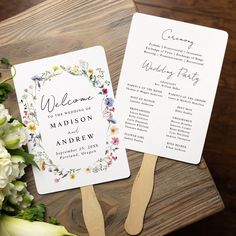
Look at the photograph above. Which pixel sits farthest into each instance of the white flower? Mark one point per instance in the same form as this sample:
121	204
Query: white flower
15	135
74	70
5	171
13	226
7	190
4	115
18	166
18	195
3	152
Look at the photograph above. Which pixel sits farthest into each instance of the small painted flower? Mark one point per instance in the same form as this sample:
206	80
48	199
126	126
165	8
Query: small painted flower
56	180
90	71
107	114
114	158
42	165
97	84
74	70
104	90
72	175
115	141
26	90
114	130
88	169
37	78
55	68
32	127
109	102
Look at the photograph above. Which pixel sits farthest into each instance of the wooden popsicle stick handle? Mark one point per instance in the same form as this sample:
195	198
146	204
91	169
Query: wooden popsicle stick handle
141	194
92	212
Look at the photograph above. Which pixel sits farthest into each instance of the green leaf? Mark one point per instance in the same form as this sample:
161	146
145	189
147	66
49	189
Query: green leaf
34	213
5	61
29	158
5	89
14	118
53	221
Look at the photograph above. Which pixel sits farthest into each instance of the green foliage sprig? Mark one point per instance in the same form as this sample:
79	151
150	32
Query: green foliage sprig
6	88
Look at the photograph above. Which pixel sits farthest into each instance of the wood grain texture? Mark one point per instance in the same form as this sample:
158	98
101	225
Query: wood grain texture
221	8
13	7
182	193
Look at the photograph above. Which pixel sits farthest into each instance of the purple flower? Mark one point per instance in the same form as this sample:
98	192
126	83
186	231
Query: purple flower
104	90
37	78
109	102
115	141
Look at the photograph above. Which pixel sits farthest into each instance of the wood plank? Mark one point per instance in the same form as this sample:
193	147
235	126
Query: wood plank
220	8
13	7
182	194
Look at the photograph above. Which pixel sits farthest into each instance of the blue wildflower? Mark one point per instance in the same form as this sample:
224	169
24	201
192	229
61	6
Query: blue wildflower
109	102
96	83
37	78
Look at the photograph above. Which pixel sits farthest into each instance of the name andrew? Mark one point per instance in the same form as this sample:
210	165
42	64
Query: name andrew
74	139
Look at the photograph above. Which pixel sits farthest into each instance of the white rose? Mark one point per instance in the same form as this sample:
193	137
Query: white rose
19	195
15	135
7	190
5	171
4	153
18	166
4	115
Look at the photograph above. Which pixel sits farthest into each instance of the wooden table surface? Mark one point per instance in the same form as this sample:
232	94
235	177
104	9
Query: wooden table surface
182	194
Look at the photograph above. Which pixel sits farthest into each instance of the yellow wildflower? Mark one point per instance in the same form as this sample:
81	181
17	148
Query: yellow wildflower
55	68
90	71
72	175
32	127
42	165
114	130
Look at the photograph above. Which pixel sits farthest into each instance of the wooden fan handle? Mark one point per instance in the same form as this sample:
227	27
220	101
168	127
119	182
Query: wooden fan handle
92	212
141	194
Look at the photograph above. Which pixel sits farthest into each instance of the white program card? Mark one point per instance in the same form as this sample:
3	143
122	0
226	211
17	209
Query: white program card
67	105
167	86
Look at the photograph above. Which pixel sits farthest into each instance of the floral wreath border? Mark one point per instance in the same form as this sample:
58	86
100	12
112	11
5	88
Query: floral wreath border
30	119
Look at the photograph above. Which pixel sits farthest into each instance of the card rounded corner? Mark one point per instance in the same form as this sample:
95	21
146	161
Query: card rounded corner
226	34
39	191
101	48
197	162
128	174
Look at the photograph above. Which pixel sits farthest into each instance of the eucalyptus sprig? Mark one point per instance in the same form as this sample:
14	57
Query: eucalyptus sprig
6	88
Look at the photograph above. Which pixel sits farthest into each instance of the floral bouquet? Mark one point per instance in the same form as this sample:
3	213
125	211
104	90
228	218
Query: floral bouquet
16	209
